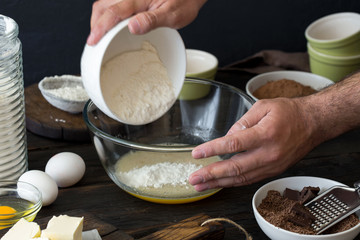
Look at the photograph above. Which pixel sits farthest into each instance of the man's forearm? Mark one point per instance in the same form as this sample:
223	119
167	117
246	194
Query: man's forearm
334	110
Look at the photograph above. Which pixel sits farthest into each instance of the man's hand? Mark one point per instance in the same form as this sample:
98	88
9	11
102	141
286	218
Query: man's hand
145	15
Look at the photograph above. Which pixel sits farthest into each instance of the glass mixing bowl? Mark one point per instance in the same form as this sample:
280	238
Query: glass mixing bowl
205	110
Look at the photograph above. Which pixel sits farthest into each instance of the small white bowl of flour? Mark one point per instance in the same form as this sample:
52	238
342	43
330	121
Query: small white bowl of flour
135	79
64	92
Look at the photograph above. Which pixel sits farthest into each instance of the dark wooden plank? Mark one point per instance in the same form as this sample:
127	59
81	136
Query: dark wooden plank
190	229
117	235
48	121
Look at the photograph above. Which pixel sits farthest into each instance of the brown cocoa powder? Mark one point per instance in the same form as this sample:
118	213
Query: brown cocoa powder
283	88
276	209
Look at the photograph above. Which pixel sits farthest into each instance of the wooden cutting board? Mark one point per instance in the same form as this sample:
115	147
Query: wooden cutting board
189	229
45	120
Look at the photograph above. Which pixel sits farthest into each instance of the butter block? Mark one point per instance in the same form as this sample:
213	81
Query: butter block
22	230
64	227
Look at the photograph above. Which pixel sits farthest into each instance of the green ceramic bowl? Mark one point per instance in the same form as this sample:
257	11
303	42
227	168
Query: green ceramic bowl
333	67
202	65
336	34
193	91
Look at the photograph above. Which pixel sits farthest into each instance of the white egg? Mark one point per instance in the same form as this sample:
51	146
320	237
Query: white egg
46	185
65	168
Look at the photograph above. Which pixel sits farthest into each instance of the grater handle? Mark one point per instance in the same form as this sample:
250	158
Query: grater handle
357	187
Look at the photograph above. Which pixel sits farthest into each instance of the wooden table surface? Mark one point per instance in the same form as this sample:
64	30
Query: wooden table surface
338	159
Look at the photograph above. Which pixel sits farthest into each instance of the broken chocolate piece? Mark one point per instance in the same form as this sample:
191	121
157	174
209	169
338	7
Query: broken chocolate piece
307	197
314	190
308	193
302	211
291	194
302	216
302	222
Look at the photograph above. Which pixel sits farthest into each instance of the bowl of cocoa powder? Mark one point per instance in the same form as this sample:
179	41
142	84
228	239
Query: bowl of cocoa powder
287	84
279	209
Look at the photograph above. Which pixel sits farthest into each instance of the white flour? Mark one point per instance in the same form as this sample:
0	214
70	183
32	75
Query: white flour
159	174
75	93
136	86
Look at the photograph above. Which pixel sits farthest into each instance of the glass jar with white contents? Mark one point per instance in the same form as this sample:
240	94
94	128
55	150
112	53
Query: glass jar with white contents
13	148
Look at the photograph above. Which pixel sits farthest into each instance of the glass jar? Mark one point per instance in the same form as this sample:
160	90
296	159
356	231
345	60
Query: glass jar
13	148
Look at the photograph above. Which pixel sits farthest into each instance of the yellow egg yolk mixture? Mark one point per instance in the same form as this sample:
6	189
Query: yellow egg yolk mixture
6	212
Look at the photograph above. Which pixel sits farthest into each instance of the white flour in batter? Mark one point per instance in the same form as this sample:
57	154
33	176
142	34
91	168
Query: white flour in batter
136	86
160	174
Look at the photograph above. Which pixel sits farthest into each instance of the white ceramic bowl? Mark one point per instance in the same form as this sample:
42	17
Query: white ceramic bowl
167	42
305	78
296	183
72	104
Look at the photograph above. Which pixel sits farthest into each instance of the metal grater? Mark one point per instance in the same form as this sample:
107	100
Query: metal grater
334	205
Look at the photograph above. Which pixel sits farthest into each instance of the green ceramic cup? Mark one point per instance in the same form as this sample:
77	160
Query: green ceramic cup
333	67
202	65
336	34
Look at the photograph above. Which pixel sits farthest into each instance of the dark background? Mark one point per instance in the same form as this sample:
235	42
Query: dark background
53	32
